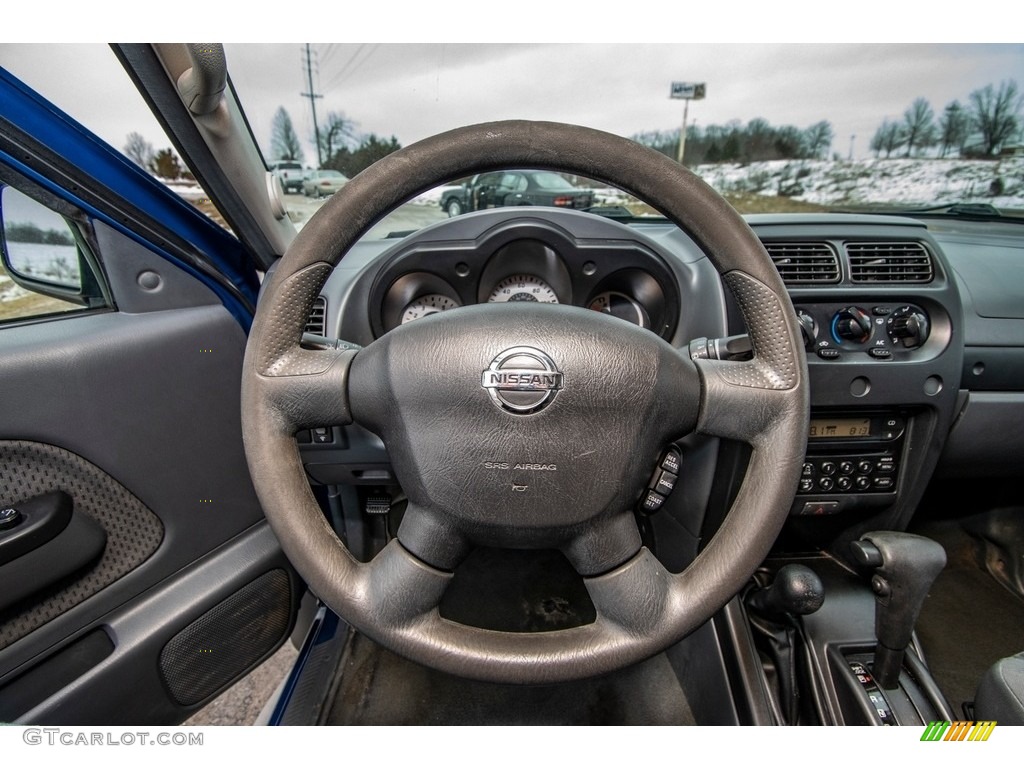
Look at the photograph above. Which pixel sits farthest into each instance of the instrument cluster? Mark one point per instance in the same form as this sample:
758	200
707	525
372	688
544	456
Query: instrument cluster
623	279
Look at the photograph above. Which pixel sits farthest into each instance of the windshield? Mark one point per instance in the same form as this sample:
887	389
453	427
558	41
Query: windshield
773	128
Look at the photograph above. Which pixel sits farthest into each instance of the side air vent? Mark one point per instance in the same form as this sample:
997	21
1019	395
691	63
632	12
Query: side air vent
805	263
317	322
896	262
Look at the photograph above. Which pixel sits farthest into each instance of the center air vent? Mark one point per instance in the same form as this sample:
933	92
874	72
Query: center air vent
805	263
906	262
317	322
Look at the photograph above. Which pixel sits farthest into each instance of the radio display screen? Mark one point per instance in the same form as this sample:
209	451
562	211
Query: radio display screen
825	429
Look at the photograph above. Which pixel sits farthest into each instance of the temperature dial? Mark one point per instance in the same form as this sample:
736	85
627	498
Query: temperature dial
908	327
851	324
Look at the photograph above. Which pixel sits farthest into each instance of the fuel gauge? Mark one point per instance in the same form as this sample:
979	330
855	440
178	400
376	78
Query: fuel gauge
622	306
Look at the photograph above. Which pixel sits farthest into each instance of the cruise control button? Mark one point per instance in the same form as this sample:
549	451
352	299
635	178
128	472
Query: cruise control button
651	502
671	461
665	483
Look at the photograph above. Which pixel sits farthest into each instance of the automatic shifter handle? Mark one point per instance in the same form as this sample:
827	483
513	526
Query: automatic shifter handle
905	568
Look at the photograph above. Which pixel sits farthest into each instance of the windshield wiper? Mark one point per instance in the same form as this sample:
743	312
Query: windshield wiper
972	211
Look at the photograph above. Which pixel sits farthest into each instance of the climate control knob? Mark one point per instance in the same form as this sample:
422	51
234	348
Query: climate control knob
808	328
851	324
908	327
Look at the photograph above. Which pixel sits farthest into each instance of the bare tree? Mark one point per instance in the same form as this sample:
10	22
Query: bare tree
888	138
996	113
284	142
918	126
337	131
139	150
954	127
818	138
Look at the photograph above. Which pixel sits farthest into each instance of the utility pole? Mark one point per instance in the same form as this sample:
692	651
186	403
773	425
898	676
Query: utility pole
312	103
852	138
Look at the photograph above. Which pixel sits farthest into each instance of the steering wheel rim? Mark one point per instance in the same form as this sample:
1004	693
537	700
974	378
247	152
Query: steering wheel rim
642	608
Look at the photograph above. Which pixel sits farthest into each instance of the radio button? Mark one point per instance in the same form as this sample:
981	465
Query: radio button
808	469
845	467
825	483
828	468
884	483
864	467
844	483
885	467
806	485
862	483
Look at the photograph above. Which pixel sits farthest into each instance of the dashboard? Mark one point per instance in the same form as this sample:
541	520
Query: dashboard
877	298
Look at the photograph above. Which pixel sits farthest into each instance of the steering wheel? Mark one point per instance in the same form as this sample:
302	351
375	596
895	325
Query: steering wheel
492	415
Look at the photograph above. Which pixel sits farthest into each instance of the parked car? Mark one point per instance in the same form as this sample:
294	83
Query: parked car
323	183
677	465
507	188
290	173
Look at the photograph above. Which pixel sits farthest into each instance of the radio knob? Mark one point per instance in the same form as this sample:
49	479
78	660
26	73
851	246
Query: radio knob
908	327
851	324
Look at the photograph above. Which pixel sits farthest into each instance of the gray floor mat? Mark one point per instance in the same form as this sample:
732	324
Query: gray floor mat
969	620
381	688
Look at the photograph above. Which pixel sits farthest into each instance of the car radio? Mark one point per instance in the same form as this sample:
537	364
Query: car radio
852	461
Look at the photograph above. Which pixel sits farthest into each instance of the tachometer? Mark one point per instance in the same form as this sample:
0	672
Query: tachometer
523	288
620	305
427	305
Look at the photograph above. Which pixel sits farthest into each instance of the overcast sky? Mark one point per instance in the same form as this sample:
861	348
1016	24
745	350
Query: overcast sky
414	90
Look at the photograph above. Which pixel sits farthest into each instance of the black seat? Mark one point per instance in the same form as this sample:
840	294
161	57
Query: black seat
1000	694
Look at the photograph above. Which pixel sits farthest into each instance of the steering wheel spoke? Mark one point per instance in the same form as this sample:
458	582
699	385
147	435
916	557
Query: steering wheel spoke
738	411
309	389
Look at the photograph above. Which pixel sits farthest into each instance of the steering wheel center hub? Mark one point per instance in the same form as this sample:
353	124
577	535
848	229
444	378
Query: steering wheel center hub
522	380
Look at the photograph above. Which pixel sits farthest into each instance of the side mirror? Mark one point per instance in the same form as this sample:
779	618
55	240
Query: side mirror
39	248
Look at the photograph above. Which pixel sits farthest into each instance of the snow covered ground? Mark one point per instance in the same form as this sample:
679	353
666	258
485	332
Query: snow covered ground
913	181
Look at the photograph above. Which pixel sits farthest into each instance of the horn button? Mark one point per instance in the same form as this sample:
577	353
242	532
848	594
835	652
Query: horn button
516	426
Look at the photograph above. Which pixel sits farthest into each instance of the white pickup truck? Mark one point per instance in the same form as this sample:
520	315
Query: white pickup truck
290	173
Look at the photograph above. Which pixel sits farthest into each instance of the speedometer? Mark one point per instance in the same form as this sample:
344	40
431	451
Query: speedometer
427	305
523	288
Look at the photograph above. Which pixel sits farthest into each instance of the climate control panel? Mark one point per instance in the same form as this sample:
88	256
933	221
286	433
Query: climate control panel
876	330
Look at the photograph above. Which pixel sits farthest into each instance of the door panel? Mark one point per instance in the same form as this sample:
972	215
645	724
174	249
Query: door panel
134	413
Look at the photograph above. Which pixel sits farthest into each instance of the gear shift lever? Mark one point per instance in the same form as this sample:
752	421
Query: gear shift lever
905	567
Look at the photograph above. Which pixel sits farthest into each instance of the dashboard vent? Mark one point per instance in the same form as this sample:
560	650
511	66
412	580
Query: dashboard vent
805	263
317	322
896	262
